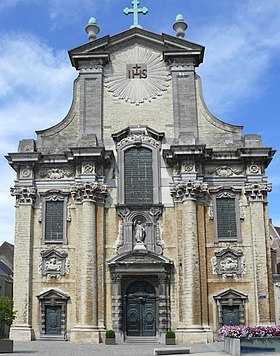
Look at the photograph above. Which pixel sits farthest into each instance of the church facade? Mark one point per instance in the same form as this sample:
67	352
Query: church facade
140	211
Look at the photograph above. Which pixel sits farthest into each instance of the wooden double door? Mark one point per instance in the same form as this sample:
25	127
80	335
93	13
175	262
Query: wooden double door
141	313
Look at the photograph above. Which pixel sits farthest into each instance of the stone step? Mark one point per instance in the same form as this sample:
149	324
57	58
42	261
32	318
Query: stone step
142	340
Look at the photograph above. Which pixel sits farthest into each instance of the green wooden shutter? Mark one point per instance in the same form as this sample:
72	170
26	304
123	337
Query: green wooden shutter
138	176
54	219
226	218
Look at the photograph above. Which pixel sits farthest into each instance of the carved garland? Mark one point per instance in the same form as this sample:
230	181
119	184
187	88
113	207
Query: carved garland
55	173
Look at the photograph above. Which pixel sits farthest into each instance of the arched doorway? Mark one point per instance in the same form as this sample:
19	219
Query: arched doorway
140	309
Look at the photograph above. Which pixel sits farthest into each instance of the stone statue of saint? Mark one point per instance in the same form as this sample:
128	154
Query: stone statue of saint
140	232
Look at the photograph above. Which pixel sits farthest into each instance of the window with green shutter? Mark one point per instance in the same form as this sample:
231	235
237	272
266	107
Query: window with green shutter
226	218
226	215
54	220
138	176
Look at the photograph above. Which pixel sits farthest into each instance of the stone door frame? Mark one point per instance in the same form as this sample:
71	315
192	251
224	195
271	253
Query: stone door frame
53	297
136	266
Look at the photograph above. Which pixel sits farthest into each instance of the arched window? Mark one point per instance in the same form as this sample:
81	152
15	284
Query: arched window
138	176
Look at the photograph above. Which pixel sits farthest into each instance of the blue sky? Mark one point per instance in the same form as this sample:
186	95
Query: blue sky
240	73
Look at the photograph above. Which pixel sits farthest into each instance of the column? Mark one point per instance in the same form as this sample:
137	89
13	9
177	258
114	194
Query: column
190	327
88	194
257	196
21	329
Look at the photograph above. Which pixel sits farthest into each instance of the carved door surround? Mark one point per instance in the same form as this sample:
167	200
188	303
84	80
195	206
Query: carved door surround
231	302
53	304
140	266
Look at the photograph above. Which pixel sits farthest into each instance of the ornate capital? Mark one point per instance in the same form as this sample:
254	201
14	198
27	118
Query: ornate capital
95	192
257	191
116	278
24	195
188	190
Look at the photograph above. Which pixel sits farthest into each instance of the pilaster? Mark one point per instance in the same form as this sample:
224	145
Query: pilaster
91	101
184	100
87	329
21	329
187	193
257	197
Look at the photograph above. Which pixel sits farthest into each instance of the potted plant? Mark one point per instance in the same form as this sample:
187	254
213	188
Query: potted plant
170	337
110	337
7	315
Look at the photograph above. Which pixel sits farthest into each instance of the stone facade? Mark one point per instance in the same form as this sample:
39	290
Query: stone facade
140	211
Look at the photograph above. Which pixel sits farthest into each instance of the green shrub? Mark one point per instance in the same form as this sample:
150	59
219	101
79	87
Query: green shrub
170	334
110	334
7	314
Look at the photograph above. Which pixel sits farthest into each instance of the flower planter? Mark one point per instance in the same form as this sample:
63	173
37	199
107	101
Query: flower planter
6	345
110	341
254	345
170	342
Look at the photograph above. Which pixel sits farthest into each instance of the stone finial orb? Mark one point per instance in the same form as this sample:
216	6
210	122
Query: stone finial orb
92	29
180	26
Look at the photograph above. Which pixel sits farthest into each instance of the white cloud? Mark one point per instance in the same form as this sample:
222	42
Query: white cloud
239	50
35	93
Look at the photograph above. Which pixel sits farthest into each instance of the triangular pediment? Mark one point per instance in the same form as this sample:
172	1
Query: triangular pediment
139	257
53	294
231	294
102	47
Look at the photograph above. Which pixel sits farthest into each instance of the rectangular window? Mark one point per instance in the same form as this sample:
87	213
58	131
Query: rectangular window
226	218
54	220
138	176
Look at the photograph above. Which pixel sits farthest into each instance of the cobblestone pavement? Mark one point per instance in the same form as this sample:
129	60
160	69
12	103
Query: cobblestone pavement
62	348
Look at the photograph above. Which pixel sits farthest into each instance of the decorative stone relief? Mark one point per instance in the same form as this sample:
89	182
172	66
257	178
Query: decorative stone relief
254	169
188	190
88	168
25	173
228	263
224	171
24	195
139	229
136	75
54	263
55	173
257	191
183	167
137	140
95	192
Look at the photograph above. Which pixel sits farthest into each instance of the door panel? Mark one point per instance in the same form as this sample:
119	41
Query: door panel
231	315
53	320
149	318
133	318
141	310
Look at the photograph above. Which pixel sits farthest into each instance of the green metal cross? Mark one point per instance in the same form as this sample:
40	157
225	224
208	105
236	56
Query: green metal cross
136	11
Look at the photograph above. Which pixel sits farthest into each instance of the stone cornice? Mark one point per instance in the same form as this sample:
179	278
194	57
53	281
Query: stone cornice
94	192
257	192
190	190
24	195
